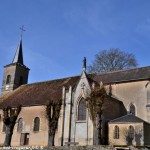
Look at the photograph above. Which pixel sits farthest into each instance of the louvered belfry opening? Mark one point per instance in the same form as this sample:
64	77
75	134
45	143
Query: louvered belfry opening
8	80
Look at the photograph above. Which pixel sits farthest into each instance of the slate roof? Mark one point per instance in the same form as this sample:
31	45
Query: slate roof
127	119
18	58
124	75
38	93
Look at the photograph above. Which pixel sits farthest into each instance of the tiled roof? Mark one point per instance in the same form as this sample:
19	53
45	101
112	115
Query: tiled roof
124	75
43	92
38	93
127	118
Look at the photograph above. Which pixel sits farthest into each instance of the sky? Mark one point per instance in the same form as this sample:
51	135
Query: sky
59	33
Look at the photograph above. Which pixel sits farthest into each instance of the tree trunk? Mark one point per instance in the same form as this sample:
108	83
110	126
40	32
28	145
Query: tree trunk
51	140
99	129
8	136
95	142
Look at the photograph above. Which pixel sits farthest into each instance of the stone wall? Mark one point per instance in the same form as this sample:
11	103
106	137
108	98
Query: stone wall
75	148
94	148
79	148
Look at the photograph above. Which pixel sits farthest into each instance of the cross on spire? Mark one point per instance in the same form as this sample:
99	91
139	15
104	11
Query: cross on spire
22	30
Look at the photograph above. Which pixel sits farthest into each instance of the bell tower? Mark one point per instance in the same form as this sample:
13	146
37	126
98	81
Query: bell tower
16	73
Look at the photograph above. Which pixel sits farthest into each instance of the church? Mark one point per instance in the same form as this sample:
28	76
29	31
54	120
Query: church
121	118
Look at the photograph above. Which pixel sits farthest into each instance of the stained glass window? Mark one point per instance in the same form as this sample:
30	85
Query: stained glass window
116	132
82	110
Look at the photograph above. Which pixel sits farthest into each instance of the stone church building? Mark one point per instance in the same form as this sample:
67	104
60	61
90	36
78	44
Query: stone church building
126	114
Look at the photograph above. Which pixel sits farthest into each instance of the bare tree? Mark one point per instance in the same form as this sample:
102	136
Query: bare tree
52	113
112	59
10	116
96	101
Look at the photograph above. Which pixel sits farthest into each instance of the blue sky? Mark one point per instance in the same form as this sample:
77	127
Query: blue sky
59	33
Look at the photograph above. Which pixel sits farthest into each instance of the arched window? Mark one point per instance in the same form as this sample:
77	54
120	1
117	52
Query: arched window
20	125
21	80
132	109
116	132
82	110
8	79
131	132
4	128
36	124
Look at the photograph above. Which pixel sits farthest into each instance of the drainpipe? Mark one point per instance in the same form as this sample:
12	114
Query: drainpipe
87	120
70	118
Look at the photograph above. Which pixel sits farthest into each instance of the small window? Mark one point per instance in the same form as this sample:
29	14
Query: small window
82	110
4	128
8	80
20	125
131	132
116	132
36	124
132	109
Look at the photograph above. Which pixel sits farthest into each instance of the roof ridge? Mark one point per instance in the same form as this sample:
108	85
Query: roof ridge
50	80
120	117
115	71
88	75
127	116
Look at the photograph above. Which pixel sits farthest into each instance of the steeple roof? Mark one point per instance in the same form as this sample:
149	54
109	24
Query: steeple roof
18	58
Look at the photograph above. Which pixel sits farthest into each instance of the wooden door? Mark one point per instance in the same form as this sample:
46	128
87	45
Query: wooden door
26	142
24	139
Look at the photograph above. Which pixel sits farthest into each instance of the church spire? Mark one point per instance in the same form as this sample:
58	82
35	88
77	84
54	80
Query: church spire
16	73
18	58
